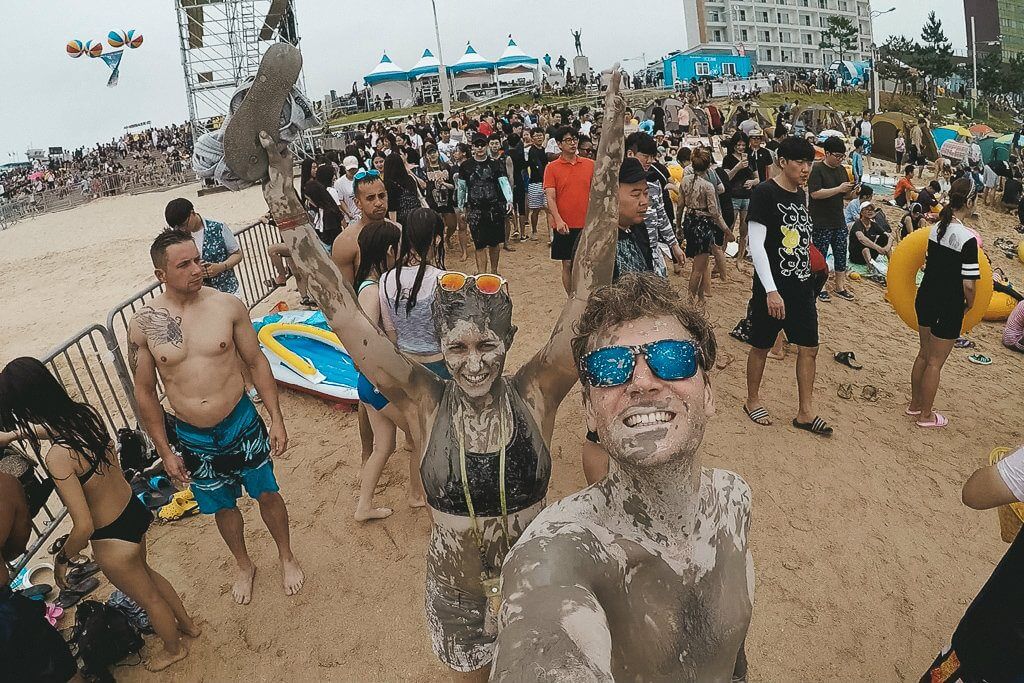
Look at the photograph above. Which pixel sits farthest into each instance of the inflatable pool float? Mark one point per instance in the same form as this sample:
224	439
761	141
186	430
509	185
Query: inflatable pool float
306	356
906	259
1020	252
1000	306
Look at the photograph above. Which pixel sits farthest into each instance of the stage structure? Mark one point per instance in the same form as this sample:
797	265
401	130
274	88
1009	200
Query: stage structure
222	42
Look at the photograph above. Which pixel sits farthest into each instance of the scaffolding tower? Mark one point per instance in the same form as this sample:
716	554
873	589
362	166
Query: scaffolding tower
222	42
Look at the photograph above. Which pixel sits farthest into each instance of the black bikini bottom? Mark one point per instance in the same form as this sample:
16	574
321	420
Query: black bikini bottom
130	525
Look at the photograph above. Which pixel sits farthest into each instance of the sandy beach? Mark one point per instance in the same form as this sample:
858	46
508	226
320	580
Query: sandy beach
865	557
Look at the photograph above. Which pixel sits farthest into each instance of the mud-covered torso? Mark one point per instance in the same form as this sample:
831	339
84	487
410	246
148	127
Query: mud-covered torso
527	463
674	610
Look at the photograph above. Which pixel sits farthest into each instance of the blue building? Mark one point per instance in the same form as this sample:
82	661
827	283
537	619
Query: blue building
703	61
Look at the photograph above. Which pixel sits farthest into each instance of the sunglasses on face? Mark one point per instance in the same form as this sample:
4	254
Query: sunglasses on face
612	366
373	173
486	283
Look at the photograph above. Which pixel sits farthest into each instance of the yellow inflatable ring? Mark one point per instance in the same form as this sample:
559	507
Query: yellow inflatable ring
293	360
906	259
1000	306
1020	252
675	172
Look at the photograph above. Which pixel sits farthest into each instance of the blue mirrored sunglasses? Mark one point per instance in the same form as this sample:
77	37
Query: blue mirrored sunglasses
612	366
373	173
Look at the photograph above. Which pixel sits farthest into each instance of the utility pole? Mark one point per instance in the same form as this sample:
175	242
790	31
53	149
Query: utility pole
442	71
974	60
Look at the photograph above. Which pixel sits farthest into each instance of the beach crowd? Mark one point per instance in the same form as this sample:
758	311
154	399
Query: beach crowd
646	574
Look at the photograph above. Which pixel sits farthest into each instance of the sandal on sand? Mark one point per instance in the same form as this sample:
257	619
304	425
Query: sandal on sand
869	393
816	426
848	359
261	111
911	413
758	416
72	595
938	420
979	359
845	391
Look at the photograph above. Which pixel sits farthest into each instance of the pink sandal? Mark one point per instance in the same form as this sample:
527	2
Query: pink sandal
911	413
938	420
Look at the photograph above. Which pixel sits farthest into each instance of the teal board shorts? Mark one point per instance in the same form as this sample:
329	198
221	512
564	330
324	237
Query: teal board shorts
222	459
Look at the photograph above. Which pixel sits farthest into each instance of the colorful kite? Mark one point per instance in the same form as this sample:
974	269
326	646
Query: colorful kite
116	39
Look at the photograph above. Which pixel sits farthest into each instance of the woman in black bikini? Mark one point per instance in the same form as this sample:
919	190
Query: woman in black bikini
484	435
82	463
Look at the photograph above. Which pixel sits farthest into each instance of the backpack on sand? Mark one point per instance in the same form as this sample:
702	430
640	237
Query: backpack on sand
104	637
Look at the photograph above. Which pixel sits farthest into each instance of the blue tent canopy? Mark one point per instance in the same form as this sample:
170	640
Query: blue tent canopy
514	56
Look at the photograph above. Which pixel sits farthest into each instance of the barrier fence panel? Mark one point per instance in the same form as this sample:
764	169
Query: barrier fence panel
256	267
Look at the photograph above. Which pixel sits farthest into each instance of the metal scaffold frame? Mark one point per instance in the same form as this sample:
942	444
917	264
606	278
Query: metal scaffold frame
222	42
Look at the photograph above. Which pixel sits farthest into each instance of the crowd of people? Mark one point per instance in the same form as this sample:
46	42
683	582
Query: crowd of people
371	235
104	169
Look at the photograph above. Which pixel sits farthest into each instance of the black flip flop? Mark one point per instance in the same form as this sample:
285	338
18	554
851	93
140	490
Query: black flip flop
848	359
261	111
816	426
72	595
77	575
38	590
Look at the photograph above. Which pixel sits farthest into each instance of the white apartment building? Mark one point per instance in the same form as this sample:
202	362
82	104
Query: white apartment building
781	33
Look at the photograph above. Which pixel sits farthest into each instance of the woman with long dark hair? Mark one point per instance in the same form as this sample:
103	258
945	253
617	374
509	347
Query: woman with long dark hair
403	192
703	216
441	193
318	193
104	512
407	290
308	169
946	293
378	252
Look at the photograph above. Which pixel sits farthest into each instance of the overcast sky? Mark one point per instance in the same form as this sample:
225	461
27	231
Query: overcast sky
50	99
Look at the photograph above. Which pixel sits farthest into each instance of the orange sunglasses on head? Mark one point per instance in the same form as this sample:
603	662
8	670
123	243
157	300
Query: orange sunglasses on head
486	283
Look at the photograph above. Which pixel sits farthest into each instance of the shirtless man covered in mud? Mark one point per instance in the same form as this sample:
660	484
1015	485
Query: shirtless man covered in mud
646	575
192	336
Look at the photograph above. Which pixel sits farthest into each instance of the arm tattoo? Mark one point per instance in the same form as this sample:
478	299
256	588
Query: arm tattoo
160	327
133	356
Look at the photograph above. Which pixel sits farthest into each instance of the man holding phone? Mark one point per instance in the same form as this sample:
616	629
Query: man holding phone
829	183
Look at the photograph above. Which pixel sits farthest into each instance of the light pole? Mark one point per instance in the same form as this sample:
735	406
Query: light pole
876	101
974	65
442	72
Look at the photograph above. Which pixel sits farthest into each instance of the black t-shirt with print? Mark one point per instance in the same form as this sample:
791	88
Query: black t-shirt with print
788	238
482	187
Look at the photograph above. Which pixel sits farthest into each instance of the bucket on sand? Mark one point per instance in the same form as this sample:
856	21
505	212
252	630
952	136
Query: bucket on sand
1011	517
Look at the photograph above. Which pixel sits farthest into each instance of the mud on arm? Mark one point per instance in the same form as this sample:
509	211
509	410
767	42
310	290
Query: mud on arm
552	626
403	382
550	374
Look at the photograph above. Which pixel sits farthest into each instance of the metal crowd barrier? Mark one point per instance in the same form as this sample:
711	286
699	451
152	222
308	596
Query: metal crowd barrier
92	367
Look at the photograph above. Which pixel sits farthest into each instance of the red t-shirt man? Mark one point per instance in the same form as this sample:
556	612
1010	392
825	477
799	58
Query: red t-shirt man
567	186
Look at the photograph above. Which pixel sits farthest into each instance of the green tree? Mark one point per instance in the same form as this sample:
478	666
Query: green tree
992	76
840	36
935	54
895	61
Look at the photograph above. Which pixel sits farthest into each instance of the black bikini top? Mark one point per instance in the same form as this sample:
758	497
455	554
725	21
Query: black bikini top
527	463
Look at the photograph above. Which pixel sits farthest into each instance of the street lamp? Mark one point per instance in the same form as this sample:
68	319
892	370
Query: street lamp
442	72
974	64
876	101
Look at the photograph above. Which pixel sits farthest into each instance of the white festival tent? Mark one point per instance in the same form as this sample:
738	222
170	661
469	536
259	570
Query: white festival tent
387	78
514	63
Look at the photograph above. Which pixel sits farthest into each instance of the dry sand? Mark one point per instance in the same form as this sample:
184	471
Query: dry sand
865	557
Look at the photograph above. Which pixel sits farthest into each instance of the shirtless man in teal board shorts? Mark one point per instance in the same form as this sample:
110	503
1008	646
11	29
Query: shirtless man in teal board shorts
190	335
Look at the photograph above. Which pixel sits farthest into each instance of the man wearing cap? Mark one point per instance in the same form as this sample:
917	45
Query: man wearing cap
829	183
783	291
759	157
868	237
345	187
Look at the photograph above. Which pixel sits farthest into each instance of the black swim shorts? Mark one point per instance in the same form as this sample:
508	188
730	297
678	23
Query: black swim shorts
800	323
